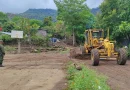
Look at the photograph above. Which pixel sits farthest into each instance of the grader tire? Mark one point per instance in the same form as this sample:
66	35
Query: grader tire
95	57
83	50
122	58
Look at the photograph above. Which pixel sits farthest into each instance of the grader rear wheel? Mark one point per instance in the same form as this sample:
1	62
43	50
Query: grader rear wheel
122	58
95	57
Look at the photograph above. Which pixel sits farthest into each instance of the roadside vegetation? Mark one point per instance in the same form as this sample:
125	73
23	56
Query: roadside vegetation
9	48
85	79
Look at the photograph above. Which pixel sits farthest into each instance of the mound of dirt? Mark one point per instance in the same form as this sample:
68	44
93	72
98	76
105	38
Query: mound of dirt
83	57
76	53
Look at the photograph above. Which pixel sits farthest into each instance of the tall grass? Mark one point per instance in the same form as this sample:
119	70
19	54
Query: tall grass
86	79
9	48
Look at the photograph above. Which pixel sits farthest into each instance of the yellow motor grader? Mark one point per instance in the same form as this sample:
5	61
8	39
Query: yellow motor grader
99	48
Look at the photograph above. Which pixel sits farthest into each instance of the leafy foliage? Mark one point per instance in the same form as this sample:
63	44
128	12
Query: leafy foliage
36	22
115	16
75	15
122	32
8	26
47	21
5	38
59	26
3	18
40	41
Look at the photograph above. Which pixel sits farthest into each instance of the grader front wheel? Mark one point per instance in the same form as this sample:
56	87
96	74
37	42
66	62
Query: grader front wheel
122	57
95	57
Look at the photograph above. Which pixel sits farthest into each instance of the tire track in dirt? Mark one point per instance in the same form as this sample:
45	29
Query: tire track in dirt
118	75
42	71
19	84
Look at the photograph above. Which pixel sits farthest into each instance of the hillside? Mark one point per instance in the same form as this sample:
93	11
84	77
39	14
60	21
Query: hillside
40	14
95	10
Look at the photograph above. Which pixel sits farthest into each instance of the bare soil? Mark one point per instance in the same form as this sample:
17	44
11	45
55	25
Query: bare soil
46	71
41	71
118	75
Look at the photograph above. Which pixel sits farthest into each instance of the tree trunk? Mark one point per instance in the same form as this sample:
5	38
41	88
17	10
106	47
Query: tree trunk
73	37
29	40
19	46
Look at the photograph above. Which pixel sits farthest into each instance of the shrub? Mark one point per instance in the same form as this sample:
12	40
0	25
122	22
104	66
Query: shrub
5	37
40	41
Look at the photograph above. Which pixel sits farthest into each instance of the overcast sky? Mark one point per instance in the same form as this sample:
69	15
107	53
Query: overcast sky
19	6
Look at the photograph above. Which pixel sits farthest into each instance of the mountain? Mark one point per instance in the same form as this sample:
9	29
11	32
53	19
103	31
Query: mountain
11	15
95	10
40	14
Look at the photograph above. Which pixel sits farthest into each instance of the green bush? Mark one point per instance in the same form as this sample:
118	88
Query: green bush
40	41
5	37
86	80
80	38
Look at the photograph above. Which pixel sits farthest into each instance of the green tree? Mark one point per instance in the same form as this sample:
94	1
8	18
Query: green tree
74	13
113	12
35	22
8	26
47	21
98	21
109	14
29	27
59	26
124	10
122	32
115	16
3	18
16	19
34	29
59	29
0	25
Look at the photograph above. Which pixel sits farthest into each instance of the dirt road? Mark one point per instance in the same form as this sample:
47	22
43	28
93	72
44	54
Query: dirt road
45	71
42	71
118	75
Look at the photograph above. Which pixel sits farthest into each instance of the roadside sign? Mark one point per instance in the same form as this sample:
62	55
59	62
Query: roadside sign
16	34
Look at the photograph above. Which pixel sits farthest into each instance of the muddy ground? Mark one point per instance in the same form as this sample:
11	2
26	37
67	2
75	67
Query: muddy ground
46	71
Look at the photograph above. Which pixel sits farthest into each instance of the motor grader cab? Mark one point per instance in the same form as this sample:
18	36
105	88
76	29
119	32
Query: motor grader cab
101	48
